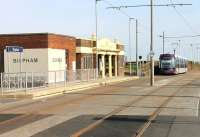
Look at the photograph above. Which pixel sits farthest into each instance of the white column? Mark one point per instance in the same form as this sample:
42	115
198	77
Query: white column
116	66
110	65
103	65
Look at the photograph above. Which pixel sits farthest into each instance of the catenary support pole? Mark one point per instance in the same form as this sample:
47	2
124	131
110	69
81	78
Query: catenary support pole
163	42
136	47
151	46
96	27
129	41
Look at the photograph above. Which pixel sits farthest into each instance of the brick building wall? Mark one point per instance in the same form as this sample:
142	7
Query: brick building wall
82	58
85	43
39	40
25	40
64	42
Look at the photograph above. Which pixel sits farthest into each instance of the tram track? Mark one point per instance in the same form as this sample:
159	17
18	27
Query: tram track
140	131
155	114
111	88
51	107
58	106
41	100
33	102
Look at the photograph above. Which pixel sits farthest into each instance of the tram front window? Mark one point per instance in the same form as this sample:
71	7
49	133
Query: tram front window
167	64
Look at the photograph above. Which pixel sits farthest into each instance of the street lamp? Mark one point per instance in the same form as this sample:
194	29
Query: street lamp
129	43
136	40
174	51
136	28
198	55
195	55
136	22
163	36
177	46
192	55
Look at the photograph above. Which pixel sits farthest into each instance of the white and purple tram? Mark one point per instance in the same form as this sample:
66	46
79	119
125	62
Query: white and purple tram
171	64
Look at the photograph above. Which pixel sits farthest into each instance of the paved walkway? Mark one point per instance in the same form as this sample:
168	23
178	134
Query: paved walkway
64	88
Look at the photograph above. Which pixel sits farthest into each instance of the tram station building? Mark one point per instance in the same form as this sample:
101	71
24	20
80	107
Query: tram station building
78	53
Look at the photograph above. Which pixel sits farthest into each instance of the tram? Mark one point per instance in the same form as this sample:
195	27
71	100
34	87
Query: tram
170	64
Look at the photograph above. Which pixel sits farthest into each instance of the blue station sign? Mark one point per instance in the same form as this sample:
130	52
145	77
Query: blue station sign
14	49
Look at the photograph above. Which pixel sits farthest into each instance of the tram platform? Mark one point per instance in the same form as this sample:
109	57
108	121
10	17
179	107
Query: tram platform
64	89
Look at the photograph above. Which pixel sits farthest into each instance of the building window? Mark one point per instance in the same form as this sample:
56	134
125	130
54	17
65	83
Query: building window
87	62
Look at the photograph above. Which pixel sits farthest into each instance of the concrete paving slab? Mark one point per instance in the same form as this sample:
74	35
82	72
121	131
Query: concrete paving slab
74	87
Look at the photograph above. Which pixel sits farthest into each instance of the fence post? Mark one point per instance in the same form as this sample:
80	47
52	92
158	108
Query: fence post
8	82
1	84
55	78
26	81
65	77
15	82
18	81
88	77
93	71
32	80
94	74
20	86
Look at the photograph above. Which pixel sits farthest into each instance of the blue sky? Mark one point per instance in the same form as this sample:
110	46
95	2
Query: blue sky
76	18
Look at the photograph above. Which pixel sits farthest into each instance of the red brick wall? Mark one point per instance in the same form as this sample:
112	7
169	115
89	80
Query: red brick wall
43	40
85	43
24	40
64	42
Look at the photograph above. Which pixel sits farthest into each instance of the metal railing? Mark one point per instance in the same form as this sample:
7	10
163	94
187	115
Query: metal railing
12	82
143	69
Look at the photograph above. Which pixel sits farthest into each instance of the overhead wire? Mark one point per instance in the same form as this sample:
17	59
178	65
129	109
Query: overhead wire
187	23
186	36
123	12
126	14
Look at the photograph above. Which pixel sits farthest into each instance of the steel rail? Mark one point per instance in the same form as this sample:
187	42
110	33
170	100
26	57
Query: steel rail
155	114
71	100
32	114
115	111
36	101
51	107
